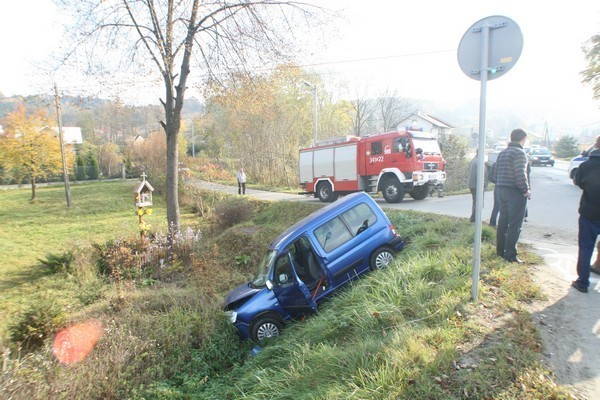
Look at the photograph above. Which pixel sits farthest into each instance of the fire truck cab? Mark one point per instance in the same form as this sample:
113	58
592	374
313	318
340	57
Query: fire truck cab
394	163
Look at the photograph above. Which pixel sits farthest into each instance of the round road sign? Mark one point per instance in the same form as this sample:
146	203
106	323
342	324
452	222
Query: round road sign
504	46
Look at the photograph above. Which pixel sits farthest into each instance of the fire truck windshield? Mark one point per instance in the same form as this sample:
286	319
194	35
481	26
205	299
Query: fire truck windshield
430	147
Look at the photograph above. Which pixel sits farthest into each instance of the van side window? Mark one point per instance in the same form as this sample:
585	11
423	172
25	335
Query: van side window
376	148
359	218
283	271
332	234
339	230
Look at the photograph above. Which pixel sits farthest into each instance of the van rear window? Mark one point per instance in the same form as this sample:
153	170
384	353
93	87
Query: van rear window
341	229
359	218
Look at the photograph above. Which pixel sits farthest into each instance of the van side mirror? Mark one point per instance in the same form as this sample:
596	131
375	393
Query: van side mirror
283	278
584	153
269	284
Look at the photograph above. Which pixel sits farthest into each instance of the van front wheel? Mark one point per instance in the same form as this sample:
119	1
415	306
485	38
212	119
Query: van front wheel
381	258
265	328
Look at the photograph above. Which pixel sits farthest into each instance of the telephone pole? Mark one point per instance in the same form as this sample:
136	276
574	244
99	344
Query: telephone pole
62	146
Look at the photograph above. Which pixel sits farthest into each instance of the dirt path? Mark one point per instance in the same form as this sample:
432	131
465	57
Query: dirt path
569	321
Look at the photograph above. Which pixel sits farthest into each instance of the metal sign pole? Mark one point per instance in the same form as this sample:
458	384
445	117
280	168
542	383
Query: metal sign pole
485	33
498	41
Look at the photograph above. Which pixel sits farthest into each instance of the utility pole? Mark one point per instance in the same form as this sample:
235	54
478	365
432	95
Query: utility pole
193	140
62	146
546	136
313	87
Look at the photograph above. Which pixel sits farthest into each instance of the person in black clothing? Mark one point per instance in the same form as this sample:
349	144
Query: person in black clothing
472	182
496	206
587	178
510	175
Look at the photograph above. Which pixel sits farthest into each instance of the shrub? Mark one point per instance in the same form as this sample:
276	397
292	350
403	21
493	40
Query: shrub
566	146
231	212
198	200
213	172
58	263
38	321
454	149
161	257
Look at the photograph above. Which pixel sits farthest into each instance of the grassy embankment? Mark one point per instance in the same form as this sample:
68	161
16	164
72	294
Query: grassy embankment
407	332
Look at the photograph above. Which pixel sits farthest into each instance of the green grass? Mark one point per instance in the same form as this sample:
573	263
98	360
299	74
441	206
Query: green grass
32	230
409	331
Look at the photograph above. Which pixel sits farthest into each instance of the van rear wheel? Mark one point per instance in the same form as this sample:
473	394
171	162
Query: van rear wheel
265	327
381	258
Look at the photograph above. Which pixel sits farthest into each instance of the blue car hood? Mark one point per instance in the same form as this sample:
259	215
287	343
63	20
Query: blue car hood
241	292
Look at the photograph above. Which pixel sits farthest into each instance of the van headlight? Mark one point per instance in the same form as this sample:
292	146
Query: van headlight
232	316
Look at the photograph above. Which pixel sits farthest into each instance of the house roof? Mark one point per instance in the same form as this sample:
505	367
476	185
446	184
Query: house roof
434	121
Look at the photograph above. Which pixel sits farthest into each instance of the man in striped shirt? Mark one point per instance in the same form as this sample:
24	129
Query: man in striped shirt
513	186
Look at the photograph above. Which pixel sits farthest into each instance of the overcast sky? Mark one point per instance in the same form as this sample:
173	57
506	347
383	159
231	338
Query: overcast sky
406	46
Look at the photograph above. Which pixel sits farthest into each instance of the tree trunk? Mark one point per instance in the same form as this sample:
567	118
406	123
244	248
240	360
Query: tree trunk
33	188
172	184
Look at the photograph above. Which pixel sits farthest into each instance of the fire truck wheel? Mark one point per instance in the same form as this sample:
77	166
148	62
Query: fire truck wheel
325	193
393	191
420	192
381	258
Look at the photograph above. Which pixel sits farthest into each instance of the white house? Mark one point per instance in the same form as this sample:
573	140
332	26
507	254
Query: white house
426	123
71	134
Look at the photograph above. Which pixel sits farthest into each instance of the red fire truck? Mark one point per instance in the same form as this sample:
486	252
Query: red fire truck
394	163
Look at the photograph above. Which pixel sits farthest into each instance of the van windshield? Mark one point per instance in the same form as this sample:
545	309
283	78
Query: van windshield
262	275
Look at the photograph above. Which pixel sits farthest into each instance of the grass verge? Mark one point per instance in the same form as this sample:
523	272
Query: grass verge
410	331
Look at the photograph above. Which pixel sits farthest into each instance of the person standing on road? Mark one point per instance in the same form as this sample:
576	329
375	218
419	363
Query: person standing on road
472	182
513	192
241	179
496	206
587	178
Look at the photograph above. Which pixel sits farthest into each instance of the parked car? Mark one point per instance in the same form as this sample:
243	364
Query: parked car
310	261
575	161
541	156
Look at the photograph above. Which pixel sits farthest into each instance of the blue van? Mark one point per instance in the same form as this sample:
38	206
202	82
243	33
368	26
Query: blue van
309	261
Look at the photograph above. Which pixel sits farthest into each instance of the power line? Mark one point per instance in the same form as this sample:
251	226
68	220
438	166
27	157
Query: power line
90	86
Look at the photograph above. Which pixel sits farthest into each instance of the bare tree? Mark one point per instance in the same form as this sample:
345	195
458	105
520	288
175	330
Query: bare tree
392	108
168	36
363	108
591	75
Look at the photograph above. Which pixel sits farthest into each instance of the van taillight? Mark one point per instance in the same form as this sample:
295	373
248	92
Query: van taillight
393	230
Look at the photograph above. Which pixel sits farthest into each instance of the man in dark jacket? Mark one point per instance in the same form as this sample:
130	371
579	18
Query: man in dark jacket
510	174
587	178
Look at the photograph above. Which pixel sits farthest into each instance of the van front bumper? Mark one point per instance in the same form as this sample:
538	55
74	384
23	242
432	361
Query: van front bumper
243	329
